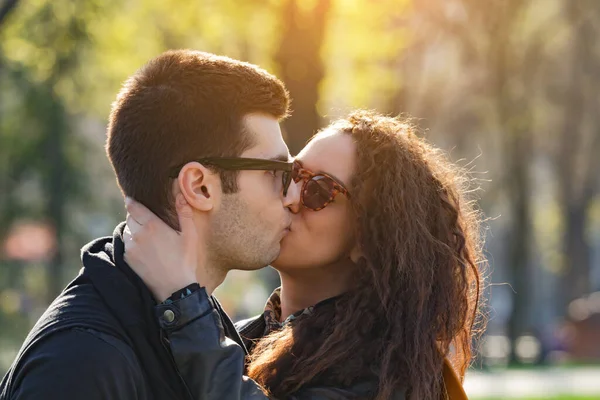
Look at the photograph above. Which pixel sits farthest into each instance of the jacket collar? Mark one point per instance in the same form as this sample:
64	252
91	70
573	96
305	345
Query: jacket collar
130	302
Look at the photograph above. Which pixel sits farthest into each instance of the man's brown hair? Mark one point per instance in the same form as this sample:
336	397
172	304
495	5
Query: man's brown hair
181	106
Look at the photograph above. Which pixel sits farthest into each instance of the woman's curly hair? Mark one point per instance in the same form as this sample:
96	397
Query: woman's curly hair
417	299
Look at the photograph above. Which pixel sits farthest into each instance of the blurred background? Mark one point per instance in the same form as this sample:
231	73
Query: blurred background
509	88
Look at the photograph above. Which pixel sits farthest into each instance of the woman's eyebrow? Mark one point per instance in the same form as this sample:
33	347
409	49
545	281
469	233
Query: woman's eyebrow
333	176
321	172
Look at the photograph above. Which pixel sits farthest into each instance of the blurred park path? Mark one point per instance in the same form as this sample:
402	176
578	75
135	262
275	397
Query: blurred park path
538	383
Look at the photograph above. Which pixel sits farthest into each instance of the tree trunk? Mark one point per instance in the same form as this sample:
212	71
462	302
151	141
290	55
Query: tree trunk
516	120
301	67
519	192
6	8
56	190
574	195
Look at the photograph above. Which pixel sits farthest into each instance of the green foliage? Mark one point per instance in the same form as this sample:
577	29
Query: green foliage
362	48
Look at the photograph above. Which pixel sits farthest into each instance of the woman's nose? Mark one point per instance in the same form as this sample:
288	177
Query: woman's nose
292	199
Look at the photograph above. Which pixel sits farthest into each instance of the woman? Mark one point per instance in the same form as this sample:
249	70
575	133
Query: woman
379	273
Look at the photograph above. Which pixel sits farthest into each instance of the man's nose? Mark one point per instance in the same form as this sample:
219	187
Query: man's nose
292	199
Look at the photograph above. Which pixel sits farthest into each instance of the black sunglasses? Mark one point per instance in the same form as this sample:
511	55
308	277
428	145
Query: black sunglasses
246	164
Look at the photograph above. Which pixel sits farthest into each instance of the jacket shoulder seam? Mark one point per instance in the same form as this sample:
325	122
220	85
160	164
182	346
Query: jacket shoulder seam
99	336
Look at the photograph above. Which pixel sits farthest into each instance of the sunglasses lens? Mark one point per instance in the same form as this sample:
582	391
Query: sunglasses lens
318	192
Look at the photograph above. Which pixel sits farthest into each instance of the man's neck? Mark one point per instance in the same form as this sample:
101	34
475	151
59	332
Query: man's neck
211	278
306	287
210	273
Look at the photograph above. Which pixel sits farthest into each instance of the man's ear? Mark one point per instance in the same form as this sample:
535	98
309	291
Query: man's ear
199	185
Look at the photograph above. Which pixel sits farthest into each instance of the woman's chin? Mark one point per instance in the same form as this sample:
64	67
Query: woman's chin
288	257
281	258
292	256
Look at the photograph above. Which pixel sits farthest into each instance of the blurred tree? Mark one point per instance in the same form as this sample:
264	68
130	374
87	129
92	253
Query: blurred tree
6	7
509	68
361	51
576	156
303	26
48	155
508	45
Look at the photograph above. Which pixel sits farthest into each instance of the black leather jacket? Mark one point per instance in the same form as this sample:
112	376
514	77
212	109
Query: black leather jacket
212	364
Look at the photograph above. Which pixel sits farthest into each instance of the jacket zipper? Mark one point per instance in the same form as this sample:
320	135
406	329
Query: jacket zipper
163	341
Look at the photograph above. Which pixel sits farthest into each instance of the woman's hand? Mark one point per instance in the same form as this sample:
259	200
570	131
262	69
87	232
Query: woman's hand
166	260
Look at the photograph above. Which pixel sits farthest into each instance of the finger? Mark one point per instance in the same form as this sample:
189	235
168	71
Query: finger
129	244
126	236
185	215
132	226
138	211
130	254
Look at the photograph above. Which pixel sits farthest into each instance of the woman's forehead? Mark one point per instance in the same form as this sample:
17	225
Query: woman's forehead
332	153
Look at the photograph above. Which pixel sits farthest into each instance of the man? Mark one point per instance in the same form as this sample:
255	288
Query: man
192	126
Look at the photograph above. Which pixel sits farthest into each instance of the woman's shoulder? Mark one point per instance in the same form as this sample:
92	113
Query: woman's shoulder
452	382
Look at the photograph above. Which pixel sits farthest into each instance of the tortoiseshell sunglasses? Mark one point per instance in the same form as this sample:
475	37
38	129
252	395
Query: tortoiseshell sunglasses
241	164
318	189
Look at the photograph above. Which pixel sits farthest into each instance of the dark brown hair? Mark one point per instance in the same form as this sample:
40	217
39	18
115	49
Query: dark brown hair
180	106
418	293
